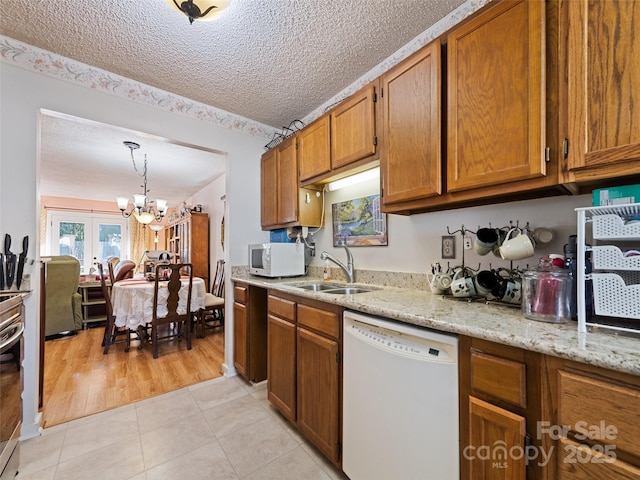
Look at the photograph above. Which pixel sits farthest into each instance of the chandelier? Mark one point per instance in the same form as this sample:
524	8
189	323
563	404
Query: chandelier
202	10
142	210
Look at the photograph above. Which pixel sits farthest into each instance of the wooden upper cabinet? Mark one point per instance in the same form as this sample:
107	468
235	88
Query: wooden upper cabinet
410	155
603	88
269	188
353	128
496	102
314	151
288	181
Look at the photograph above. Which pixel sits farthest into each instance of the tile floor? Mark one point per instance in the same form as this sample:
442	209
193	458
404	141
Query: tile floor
220	429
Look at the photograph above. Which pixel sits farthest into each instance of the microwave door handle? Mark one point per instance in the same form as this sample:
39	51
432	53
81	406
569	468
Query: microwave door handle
11	340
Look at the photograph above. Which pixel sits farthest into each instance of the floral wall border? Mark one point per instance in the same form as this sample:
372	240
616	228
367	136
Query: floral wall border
50	64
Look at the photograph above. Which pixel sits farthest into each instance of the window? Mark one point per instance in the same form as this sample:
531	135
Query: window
88	237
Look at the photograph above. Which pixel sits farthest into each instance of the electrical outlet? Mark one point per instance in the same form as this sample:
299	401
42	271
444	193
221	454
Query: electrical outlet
468	245
448	247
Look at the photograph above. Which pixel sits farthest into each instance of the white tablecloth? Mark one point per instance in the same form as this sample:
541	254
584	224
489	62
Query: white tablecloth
133	300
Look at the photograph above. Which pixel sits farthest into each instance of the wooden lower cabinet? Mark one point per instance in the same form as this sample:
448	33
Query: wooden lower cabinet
305	373
250	332
504	395
599	411
319	398
281	356
493	433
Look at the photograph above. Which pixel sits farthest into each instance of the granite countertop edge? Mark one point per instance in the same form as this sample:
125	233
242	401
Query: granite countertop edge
498	323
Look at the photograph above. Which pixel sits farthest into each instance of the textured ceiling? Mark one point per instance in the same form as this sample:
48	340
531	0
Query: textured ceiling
271	61
85	159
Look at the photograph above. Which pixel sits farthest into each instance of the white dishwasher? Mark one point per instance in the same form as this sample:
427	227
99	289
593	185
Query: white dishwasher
400	401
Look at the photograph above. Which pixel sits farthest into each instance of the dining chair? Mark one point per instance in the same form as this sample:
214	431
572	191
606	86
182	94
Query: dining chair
181	322
213	310
111	331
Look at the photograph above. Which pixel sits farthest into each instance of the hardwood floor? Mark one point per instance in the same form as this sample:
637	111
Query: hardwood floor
80	380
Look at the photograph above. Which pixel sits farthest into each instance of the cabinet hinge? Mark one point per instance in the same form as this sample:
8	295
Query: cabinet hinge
547	155
375	97
338	357
527	445
375	140
565	148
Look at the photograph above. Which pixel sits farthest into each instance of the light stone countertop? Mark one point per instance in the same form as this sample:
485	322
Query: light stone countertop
498	323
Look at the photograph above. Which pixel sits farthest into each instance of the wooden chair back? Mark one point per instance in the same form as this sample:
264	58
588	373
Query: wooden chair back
217	288
110	330
182	321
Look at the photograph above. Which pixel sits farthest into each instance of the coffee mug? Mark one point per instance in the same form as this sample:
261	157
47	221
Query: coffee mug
462	285
486	239
542	235
511	291
485	282
439	282
516	247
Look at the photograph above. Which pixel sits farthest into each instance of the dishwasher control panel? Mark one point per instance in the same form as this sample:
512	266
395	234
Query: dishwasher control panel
401	343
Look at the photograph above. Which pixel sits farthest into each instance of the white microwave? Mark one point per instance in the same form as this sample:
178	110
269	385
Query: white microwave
276	259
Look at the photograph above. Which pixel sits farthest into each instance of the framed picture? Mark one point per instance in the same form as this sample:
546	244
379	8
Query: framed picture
360	222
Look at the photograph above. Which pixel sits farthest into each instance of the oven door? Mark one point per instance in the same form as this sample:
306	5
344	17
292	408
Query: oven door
11	351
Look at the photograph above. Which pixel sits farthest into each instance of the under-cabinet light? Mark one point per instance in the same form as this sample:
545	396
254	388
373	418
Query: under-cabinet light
354	179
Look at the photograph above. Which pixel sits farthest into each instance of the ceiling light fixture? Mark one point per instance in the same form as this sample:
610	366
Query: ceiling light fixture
355	179
142	209
156	228
203	10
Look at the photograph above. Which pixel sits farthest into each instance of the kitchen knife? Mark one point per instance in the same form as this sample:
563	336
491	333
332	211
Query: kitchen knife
22	260
10	261
1	271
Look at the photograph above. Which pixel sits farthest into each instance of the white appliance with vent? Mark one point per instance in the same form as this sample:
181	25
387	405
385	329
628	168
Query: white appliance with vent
400	401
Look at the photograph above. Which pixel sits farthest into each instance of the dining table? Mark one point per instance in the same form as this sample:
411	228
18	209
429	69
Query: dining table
132	300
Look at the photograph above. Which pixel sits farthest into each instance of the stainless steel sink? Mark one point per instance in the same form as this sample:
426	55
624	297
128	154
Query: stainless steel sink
317	287
334	288
349	290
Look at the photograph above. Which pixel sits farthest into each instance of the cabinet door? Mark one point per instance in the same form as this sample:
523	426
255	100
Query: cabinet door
281	365
318	392
314	152
604	87
410	158
287	182
353	129
493	433
240	339
579	461
495	90
269	188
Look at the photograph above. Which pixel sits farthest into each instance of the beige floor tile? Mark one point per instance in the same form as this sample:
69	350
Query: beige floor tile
231	416
205	463
85	436
119	461
330	469
41	452
175	439
158	411
217	393
256	445
293	465
46	474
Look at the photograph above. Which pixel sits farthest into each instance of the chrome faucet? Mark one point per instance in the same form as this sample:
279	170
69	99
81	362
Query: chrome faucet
348	270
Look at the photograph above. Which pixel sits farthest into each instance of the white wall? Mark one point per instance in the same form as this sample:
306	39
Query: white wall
211	198
22	94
